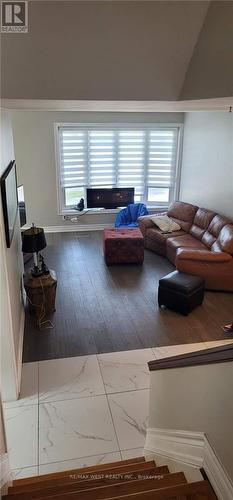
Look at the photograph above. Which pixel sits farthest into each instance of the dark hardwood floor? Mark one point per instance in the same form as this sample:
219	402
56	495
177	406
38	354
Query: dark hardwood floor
105	309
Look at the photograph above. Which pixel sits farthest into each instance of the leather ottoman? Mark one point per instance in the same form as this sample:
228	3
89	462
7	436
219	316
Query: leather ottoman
123	246
181	292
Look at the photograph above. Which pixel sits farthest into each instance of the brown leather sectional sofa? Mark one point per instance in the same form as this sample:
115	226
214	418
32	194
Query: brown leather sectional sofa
203	246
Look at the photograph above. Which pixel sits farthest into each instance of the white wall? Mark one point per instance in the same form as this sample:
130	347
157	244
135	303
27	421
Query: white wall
35	157
207	164
11	270
210	72
196	398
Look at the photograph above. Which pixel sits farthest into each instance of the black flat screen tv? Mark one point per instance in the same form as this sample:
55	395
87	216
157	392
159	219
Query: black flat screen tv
9	200
109	197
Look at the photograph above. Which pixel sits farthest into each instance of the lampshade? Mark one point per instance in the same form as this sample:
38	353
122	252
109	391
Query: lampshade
33	240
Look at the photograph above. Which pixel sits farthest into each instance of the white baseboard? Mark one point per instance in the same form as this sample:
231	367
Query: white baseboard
76	227
194	449
20	351
183	446
5	474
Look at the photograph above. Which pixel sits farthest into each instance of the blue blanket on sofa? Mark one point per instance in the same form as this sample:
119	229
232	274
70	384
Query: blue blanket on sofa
128	216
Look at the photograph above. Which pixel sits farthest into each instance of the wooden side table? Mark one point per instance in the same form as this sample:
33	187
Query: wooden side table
41	293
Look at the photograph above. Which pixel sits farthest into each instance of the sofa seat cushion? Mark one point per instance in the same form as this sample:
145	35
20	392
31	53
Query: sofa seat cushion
184	241
156	240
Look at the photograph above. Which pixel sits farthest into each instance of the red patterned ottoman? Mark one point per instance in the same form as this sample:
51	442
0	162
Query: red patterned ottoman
123	246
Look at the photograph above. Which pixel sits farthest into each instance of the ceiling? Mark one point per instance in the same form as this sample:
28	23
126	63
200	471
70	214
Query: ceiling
105	50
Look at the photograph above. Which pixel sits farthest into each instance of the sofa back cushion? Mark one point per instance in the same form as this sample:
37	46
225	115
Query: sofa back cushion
201	222
182	213
216	247
211	234
225	239
217	224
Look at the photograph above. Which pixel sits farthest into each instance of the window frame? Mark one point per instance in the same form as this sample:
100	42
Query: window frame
173	193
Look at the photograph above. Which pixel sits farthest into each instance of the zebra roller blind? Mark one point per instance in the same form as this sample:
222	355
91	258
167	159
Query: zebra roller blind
145	158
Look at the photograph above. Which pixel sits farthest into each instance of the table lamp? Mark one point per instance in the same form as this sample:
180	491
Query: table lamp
33	242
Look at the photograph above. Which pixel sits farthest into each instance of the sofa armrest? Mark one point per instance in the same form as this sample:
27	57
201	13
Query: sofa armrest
202	256
145	223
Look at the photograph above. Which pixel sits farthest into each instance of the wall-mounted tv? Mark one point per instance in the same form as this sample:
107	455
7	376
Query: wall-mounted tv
22	207
109	197
9	200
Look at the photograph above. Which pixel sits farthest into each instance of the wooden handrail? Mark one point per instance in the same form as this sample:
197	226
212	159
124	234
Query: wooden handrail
204	357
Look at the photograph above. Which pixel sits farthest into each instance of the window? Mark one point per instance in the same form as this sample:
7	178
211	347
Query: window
145	157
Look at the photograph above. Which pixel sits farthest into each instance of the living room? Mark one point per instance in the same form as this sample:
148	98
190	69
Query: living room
75	247
112	95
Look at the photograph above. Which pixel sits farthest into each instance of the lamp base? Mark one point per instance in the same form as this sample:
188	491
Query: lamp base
36	272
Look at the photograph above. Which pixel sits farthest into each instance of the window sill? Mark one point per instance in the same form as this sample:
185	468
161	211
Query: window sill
100	211
91	211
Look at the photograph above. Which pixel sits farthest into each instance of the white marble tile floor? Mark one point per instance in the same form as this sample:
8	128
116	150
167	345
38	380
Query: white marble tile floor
82	411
